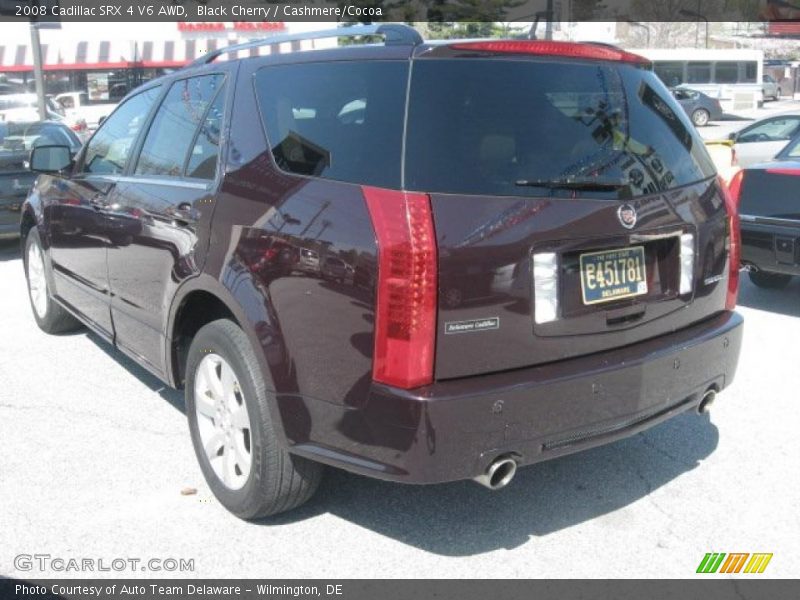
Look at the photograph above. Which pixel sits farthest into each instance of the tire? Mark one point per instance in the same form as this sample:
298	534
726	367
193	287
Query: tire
253	476
767	280
701	117
50	316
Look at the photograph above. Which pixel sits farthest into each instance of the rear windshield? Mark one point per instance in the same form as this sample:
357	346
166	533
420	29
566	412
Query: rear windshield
498	126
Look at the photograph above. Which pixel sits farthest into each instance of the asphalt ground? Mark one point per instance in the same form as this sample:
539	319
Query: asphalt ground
96	452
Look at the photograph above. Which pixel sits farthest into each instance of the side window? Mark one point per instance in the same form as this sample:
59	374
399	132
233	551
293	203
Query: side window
110	147
726	72
750	72
774	130
205	150
340	121
174	137
699	72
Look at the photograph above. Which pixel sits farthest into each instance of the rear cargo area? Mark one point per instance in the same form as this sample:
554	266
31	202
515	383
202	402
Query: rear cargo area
575	208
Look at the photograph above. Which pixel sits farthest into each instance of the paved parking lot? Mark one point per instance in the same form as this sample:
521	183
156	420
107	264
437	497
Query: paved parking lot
95	453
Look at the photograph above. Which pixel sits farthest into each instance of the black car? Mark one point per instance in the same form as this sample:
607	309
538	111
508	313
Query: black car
701	108
769	203
16	142
560	180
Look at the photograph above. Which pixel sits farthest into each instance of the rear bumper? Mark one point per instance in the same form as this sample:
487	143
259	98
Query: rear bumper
771	246
453	430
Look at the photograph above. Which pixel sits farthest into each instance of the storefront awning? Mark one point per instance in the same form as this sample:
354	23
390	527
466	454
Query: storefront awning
87	55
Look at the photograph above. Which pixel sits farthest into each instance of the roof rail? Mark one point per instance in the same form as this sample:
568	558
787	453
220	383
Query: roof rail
394	34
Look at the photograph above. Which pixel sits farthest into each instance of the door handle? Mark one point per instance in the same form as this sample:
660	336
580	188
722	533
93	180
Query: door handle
184	214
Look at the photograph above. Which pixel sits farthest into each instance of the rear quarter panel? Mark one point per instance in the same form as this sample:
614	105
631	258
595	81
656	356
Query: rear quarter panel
315	338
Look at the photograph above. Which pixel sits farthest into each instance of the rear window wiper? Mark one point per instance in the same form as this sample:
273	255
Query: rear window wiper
600	185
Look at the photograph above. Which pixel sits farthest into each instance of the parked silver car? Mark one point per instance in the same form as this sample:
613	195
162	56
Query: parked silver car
763	139
771	88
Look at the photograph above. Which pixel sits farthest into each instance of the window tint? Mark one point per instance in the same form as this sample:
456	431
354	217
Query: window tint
170	137
483	126
109	148
205	150
336	120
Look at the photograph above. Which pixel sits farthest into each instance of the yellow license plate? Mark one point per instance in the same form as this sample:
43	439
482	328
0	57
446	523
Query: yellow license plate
613	274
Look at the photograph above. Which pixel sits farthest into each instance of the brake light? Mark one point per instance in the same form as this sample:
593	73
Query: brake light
732	194
550	48
405	321
795	172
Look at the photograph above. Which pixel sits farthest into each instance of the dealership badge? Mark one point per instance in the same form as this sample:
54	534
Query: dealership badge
627	216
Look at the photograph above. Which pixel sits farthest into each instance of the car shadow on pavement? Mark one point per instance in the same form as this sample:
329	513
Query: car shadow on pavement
9	249
172	396
462	518
785	301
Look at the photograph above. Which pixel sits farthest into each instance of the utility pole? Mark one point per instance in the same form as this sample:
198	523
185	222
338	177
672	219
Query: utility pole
36	47
548	28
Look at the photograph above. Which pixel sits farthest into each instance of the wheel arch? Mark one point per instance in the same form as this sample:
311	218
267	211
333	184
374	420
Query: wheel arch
203	299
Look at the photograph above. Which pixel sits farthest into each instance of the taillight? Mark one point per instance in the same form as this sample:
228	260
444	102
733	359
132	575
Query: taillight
550	48
405	320
732	194
781	171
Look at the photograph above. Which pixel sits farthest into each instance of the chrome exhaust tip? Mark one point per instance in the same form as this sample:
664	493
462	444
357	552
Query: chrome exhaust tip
499	474
708	399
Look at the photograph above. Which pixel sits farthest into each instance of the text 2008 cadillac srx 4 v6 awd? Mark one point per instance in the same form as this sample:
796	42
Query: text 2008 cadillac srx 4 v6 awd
421	262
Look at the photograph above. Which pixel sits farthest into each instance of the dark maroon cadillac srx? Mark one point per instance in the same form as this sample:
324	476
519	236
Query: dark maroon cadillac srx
419	262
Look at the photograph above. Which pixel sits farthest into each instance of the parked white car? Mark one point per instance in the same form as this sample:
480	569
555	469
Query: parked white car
78	104
23	108
762	140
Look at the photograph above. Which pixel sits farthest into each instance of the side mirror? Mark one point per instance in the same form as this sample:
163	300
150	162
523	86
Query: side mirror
50	159
732	136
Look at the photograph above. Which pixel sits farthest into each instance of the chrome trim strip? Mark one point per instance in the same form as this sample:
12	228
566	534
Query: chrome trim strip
193	185
648	237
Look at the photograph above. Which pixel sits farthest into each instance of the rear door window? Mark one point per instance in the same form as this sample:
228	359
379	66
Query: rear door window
339	121
493	126
185	130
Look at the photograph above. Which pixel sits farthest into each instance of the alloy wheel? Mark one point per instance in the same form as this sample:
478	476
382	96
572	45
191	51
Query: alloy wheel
223	421
37	282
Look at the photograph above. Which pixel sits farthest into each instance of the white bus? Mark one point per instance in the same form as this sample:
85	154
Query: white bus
733	76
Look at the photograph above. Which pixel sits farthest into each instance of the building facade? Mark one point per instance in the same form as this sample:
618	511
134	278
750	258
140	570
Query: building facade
108	60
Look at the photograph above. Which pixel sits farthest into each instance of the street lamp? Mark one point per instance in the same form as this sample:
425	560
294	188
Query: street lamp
690	13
